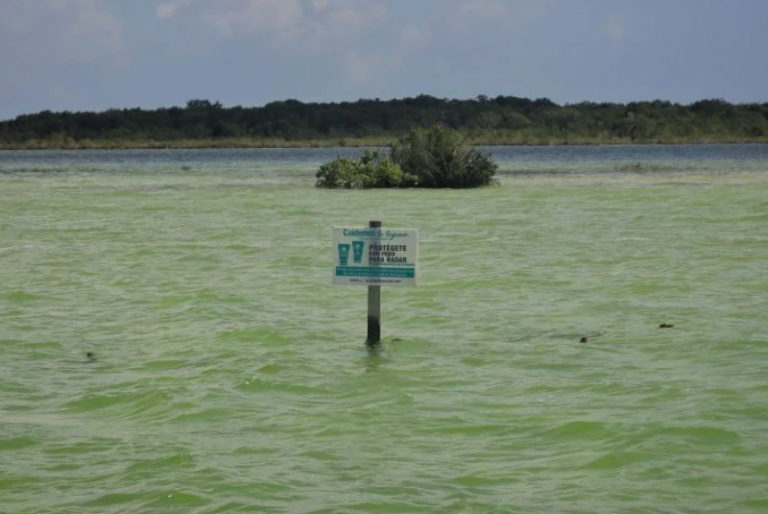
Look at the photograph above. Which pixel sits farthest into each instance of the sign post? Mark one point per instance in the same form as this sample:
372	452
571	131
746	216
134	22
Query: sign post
374	256
374	306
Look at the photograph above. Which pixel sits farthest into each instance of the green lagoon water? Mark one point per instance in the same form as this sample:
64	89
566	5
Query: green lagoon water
230	375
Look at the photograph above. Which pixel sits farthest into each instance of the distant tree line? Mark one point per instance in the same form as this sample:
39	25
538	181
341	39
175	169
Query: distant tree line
499	120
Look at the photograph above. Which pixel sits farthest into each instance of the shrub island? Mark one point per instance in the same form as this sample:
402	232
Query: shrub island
433	157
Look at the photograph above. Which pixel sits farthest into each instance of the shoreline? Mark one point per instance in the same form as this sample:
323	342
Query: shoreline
201	144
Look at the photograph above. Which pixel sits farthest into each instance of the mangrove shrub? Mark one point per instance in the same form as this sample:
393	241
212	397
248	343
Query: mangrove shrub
434	157
371	170
438	157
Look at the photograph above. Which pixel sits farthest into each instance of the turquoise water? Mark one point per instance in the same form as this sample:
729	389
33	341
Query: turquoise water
229	375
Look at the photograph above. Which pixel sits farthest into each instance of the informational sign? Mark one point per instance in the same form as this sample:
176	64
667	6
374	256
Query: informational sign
375	256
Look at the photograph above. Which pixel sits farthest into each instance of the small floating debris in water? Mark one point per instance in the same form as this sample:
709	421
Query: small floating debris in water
666	325
90	356
584	339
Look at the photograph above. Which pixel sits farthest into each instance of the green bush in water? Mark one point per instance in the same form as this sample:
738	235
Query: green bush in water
371	170
438	157
339	173
434	157
381	171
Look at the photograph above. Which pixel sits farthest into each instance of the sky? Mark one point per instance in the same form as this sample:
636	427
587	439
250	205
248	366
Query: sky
92	55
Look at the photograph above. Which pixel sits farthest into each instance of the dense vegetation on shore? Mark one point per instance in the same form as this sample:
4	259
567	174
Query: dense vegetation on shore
500	120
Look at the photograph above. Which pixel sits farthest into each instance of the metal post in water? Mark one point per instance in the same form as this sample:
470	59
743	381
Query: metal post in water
374	307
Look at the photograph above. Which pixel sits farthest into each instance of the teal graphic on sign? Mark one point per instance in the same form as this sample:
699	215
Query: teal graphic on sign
343	253
375	256
357	251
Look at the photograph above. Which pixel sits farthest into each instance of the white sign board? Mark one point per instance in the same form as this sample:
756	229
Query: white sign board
375	256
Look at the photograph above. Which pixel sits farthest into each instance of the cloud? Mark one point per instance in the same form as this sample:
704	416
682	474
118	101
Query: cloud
58	53
513	13
379	64
168	10
77	31
415	37
484	9
616	30
363	68
307	23
236	18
